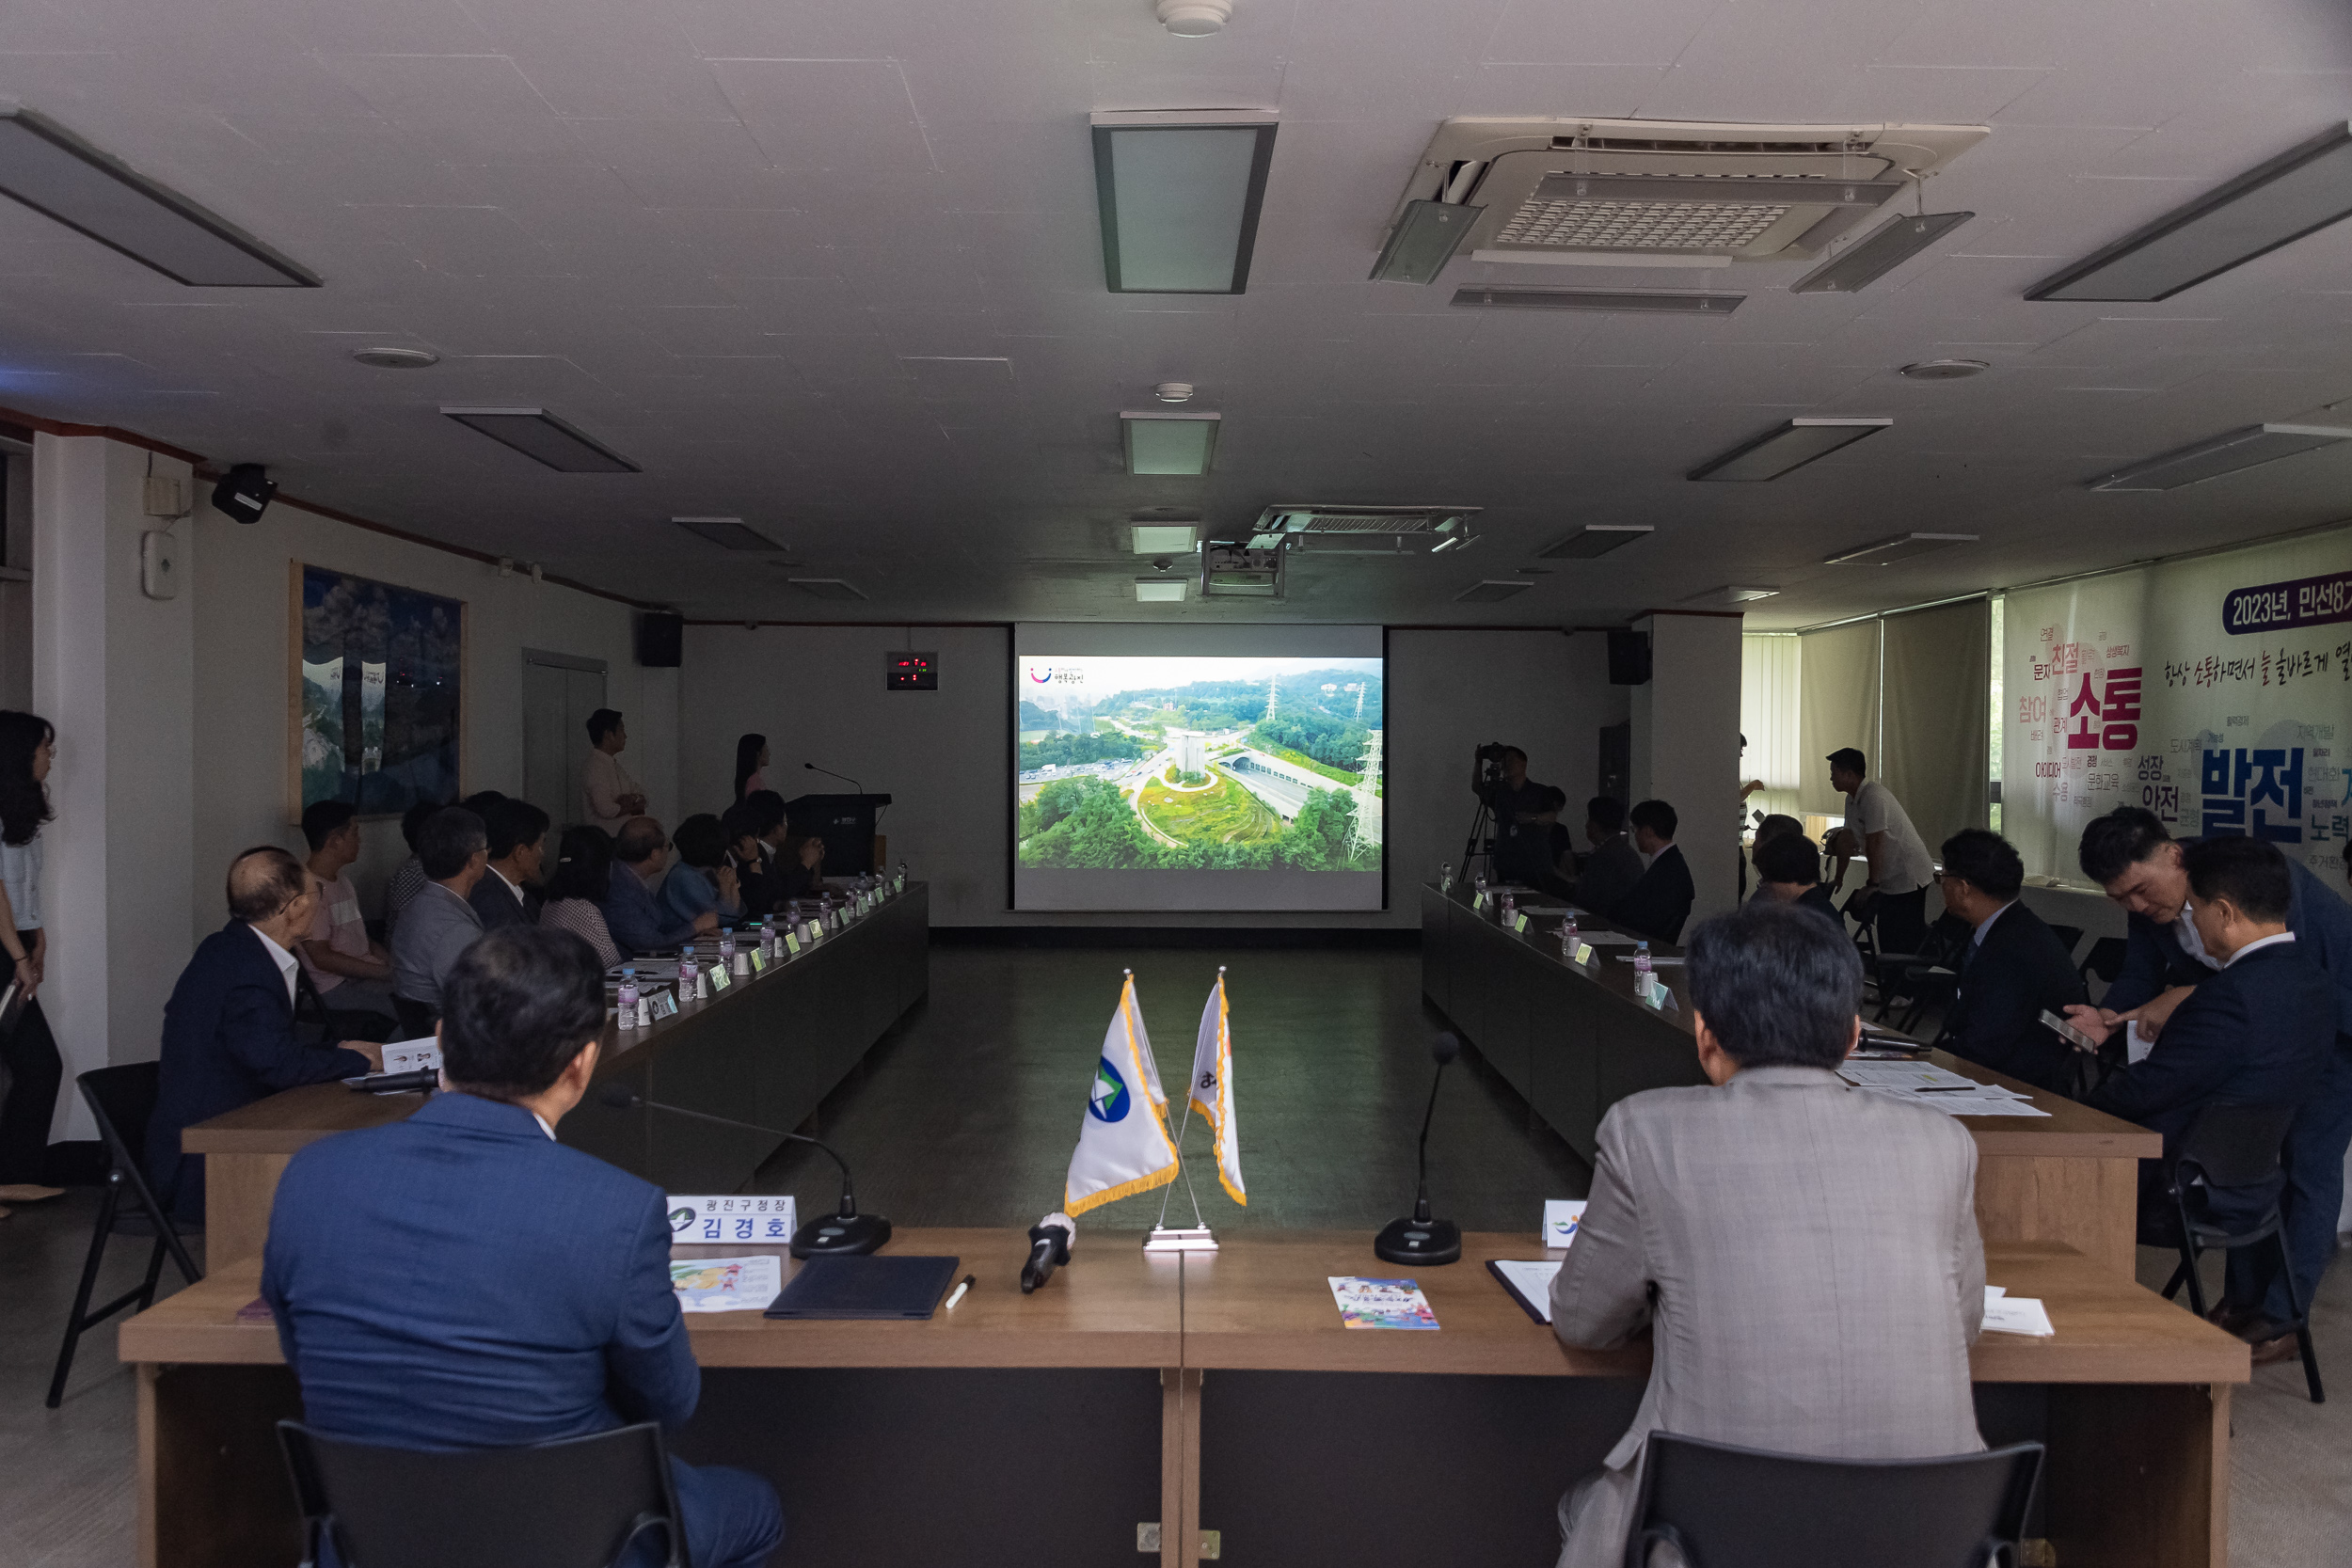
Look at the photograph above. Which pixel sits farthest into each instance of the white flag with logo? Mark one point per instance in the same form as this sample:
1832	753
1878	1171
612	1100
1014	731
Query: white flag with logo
1152	1085
1213	1088
1123	1146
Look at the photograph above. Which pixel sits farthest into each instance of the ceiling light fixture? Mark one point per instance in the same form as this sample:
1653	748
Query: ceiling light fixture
1180	192
58	174
1160	443
1642	301
1161	590
1164	538
2302	190
1945	370
1596	539
1785	448
2239	450
1487	592
731	534
1194	19
1731	594
1872	258
825	588
1903	547
396	358
544	439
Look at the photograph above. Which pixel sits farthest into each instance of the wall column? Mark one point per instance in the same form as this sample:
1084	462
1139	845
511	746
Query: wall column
113	671
1686	746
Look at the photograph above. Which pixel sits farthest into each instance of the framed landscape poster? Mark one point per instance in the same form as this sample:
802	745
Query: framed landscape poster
374	707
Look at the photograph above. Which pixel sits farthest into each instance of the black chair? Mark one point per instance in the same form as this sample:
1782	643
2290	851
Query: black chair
2104	960
1893	974
2234	1146
2069	937
324	1027
122	1100
1725	1507
416	1020
582	1502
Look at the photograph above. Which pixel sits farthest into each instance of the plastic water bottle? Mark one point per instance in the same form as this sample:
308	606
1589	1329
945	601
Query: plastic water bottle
902	877
628	999
768	939
1568	937
727	948
825	916
1510	907
1445	878
687	974
1644	976
792	920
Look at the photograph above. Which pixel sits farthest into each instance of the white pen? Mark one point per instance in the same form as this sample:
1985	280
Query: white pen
957	1294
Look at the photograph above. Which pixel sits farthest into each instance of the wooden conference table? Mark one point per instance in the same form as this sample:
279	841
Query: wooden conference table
1573	1040
1219	1392
766	1049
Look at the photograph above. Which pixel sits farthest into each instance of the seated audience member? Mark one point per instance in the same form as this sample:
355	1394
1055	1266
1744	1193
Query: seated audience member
796	865
2261	1031
408	879
2014	970
1772	826
749	859
481	800
1660	901
508	894
1788	871
1614	866
2128	853
635	917
461	1280
229	1035
576	891
440	923
349	971
702	883
1805	1259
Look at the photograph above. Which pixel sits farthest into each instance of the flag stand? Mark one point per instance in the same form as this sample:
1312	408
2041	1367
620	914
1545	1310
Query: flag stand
1197	1237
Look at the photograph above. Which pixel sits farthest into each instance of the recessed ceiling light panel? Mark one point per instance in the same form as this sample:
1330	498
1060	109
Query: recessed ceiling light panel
1487	592
56	173
1730	594
2302	190
2248	448
1164	538
731	534
544	439
825	588
1785	448
1903	547
1161	590
1180	192
1596	539
1160	443
396	358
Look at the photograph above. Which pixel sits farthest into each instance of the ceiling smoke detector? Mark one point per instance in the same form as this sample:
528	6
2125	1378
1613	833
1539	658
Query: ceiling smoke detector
1636	193
1194	19
1946	369
1173	391
396	358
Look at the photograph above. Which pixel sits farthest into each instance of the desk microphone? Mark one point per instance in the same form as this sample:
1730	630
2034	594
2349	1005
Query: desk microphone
1049	1249
839	1235
1421	1239
422	1081
831	774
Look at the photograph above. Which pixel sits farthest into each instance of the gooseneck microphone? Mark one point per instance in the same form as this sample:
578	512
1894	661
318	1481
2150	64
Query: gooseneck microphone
843	1234
1049	1249
1420	1239
831	774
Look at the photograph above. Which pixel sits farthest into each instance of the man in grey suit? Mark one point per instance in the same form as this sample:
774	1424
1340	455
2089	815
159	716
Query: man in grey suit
1805	1255
439	923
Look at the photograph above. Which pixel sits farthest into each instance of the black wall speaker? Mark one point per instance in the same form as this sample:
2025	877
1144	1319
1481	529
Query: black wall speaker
244	492
660	639
1629	659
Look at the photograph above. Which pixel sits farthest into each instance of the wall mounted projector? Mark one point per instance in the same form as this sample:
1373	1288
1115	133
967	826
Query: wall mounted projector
1637	192
244	492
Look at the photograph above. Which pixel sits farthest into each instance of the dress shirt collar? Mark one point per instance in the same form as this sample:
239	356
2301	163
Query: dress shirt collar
1986	924
2258	944
543	1125
2185	932
278	956
512	887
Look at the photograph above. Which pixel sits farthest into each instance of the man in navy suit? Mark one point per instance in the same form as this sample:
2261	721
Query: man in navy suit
461	1280
228	1035
2012	970
2260	1031
1655	905
2128	853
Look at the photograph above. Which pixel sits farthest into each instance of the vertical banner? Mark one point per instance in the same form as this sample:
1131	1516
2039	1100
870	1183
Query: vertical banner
2211	691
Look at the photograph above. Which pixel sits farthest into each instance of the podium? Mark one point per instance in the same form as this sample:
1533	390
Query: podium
845	822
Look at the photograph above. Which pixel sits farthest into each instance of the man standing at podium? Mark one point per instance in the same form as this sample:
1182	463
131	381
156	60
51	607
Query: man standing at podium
461	1280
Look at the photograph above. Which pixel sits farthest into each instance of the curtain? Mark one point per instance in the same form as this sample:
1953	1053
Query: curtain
1935	727
1768	717
1839	706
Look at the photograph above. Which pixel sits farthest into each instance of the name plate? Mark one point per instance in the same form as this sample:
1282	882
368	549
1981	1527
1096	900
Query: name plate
1562	1217
791	945
417	1055
1583	953
719	978
721	1221
758	963
1518	921
1478	900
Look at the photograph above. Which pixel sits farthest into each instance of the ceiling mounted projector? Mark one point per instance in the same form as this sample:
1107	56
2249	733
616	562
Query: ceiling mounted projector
244	492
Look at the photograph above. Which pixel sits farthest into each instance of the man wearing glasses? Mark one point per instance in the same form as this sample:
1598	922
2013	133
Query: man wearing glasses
228	1035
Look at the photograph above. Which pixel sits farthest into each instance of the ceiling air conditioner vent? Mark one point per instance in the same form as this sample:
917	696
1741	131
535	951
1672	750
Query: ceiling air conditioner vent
1662	193
1280	521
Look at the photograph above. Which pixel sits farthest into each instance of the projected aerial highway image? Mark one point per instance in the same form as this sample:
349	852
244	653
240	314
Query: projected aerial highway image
1140	764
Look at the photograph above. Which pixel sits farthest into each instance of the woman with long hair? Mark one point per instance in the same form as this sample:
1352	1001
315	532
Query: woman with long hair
577	887
27	743
751	764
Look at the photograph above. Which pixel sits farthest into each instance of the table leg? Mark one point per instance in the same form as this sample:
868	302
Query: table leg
1180	1467
2139	1474
238	1192
211	1480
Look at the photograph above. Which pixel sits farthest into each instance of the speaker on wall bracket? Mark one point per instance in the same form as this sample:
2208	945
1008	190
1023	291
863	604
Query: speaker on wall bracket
660	639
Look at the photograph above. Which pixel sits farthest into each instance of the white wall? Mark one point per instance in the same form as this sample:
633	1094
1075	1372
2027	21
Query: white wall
242	602
112	671
816	693
1686	746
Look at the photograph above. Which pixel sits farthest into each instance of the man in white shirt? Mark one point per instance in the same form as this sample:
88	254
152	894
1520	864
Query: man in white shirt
1900	867
608	796
350	972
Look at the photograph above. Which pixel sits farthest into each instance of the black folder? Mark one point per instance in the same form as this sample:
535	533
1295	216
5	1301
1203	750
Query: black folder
869	1287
